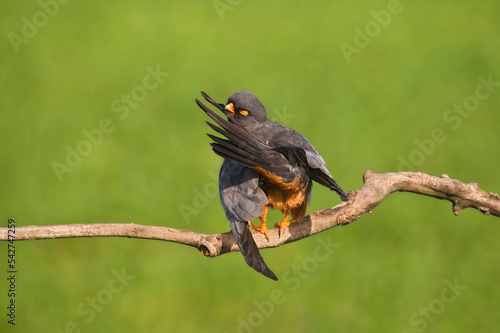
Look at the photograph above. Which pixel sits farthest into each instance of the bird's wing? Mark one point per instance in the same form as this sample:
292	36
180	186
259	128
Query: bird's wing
321	174
211	101
242	200
282	166
241	197
315	161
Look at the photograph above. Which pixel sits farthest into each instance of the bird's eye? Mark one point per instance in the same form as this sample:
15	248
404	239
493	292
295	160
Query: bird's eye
244	112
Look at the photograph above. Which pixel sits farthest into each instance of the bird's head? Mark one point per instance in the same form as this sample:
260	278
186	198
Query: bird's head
246	108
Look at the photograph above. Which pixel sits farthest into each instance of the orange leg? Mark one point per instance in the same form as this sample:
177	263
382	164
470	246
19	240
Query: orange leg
284	223
263	227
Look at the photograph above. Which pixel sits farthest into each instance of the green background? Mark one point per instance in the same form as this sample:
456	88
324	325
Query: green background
363	114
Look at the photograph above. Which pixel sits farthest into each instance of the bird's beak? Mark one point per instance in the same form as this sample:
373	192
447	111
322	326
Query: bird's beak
230	107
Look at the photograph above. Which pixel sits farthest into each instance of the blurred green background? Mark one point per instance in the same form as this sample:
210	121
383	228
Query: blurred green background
66	67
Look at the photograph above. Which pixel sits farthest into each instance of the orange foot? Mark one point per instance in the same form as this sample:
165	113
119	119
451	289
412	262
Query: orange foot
284	223
262	228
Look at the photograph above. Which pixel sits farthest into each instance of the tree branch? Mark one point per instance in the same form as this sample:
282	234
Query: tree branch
375	189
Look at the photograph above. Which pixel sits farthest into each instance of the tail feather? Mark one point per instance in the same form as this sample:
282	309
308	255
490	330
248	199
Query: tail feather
249	249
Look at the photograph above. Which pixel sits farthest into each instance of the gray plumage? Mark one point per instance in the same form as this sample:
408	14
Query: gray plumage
242	200
261	157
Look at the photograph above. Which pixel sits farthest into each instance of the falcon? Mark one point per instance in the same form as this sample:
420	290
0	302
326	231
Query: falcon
266	165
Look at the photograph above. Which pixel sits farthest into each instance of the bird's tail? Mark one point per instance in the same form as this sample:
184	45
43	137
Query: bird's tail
249	250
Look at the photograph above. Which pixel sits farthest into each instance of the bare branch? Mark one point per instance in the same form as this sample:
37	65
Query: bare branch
375	189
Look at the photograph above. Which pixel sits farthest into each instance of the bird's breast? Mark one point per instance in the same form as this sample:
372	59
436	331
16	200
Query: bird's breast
293	201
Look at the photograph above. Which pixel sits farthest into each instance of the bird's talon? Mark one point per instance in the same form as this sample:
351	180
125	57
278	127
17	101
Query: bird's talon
280	231
283	225
261	229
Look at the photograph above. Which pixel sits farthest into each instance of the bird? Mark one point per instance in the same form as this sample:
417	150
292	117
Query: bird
266	165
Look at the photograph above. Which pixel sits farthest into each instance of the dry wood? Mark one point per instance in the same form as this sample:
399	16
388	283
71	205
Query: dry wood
375	189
